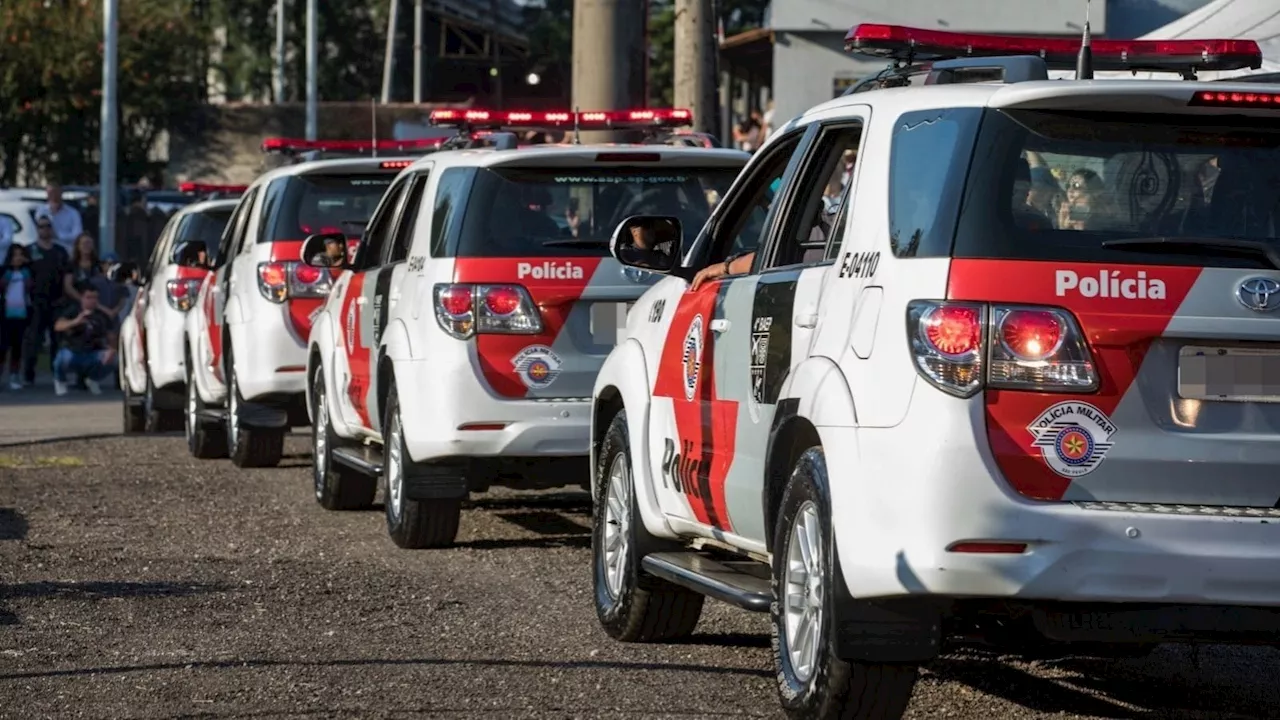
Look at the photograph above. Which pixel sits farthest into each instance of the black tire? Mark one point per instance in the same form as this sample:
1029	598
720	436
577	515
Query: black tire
638	607
155	419
205	440
133	420
412	524
336	488
832	688
248	447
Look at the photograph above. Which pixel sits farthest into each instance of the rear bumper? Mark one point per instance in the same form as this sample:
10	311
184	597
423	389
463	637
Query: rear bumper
270	359
900	509
438	402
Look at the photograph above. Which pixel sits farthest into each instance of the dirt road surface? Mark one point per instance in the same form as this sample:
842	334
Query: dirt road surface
136	582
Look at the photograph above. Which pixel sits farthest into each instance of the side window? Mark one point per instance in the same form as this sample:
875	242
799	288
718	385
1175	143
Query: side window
837	227
271	202
448	209
235	226
399	249
926	174
820	189
378	232
741	225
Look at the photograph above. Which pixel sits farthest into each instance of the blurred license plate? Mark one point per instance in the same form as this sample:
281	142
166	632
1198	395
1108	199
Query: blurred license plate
1229	374
609	322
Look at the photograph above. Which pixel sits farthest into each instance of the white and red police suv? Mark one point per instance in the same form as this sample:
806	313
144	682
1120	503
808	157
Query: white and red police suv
459	349
150	357
1022	386
246	341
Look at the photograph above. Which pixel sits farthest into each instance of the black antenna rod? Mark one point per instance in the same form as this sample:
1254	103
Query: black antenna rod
1084	62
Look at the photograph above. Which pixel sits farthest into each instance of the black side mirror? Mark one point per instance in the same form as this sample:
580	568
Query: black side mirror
648	242
188	254
325	250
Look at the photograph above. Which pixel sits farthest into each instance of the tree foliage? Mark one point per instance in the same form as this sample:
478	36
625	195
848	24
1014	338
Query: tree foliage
51	80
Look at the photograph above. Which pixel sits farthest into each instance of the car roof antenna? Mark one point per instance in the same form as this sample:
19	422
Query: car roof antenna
1084	62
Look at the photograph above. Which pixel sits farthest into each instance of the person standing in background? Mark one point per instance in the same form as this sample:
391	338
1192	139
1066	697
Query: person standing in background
67	223
15	287
766	125
49	263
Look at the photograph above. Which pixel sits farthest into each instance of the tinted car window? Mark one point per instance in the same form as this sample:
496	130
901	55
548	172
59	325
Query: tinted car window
324	203
205	227
929	156
1058	185
523	212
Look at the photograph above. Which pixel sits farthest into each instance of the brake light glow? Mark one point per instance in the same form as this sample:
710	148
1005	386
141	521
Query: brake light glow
1235	99
204	188
591	120
181	293
899	42
988	548
279	144
396	164
1034	348
464	310
279	281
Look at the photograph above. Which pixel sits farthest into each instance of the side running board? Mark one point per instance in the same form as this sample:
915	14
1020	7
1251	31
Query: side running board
742	583
362	459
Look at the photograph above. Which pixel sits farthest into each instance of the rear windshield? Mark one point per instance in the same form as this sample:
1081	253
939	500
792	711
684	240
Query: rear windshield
1075	186
205	227
524	212
298	206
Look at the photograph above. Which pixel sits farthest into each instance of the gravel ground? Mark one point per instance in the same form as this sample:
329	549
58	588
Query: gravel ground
136	582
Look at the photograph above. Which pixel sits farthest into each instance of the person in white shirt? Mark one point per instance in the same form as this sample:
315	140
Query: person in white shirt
67	224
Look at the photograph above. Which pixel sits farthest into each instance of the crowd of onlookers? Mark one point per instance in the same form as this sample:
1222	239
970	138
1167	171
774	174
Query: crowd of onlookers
60	295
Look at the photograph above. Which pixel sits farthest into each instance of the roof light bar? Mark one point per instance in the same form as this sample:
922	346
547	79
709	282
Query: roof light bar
292	145
204	188
593	120
1235	99
916	45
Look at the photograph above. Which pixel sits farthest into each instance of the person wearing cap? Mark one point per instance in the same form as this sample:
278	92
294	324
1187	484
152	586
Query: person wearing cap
334	255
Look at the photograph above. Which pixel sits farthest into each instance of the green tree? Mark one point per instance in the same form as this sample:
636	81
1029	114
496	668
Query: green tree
50	85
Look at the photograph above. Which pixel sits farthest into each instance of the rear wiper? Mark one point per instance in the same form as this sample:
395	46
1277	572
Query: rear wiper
1200	245
575	242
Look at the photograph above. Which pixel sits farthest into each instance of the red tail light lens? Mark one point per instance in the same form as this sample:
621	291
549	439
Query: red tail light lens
1030	335
1039	349
280	281
502	300
502	309
181	294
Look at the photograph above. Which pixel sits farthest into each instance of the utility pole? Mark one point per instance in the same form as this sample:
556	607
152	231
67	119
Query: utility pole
608	42
312	63
278	74
417	52
107	180
495	47
695	56
389	61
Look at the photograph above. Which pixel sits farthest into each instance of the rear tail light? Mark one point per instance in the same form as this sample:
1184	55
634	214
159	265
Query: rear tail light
280	281
464	310
181	293
958	347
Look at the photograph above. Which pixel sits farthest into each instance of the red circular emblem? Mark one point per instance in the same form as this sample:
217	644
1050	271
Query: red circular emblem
539	370
1074	445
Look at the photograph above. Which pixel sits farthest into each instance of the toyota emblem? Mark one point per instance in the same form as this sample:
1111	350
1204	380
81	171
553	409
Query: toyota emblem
1260	294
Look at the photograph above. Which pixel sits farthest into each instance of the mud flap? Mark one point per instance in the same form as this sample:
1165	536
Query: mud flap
428	482
898	630
262	417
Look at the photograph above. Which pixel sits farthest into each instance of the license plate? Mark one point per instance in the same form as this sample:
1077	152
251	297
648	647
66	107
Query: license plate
1229	374
609	322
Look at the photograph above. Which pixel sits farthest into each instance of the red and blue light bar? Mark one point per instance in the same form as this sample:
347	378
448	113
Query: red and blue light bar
916	45
195	188
559	119
279	144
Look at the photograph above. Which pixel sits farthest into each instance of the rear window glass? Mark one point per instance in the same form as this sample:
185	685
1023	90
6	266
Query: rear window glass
205	227
525	212
308	204
1076	186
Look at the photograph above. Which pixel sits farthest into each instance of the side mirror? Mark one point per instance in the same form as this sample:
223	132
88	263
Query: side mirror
648	242
327	249
188	254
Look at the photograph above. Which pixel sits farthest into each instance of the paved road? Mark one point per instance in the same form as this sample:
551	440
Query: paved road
136	582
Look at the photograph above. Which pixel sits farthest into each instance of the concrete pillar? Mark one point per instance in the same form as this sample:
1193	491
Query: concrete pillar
695	60
608	65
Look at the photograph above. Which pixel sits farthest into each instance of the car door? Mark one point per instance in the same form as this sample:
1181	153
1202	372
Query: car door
694	419
355	323
151	293
219	281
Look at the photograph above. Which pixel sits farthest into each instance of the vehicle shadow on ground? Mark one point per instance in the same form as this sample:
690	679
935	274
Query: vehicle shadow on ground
393	662
557	520
95	590
1119	689
13	526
